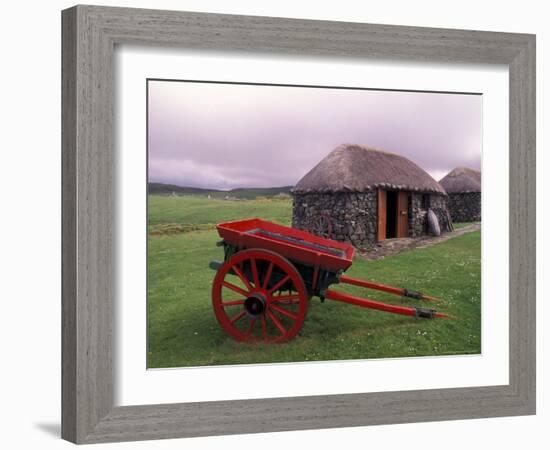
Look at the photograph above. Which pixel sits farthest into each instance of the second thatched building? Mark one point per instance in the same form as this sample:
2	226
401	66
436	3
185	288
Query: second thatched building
362	195
463	186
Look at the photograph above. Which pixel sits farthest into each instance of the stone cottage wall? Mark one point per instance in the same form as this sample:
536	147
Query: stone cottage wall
418	222
417	216
465	207
353	215
439	205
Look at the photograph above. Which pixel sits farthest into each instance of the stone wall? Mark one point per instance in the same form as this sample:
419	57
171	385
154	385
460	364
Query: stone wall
418	210
465	207
439	205
417	216
353	216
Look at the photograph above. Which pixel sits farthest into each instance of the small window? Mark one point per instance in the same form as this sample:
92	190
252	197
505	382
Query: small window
425	201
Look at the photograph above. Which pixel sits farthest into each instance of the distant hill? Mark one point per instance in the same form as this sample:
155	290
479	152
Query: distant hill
161	188
242	193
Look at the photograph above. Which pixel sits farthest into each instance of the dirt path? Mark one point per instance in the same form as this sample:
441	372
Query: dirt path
394	246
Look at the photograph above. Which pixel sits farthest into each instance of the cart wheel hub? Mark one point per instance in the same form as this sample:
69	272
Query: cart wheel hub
255	304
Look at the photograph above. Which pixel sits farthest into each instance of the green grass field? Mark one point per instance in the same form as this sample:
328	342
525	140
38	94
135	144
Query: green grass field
459	225
183	331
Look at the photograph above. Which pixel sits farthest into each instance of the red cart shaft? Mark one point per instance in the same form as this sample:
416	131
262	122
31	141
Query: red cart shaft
386	288
380	306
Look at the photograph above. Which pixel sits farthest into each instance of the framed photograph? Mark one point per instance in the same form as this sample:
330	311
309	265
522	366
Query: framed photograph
278	224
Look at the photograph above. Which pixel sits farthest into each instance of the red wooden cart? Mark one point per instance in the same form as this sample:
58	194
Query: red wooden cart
261	290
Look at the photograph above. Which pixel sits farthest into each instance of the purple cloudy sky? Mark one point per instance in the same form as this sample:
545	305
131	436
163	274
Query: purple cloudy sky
226	136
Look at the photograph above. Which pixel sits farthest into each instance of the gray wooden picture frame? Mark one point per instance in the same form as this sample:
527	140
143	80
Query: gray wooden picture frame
89	37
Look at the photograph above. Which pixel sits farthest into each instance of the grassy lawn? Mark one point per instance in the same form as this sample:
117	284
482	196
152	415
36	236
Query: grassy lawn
183	331
459	225
199	212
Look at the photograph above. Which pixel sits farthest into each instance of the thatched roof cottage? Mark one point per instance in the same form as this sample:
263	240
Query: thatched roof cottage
463	186
362	195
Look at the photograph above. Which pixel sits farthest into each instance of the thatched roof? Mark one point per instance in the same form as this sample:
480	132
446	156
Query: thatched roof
355	168
461	180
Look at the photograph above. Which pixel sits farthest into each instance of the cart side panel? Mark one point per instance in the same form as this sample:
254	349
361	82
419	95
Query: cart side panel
294	244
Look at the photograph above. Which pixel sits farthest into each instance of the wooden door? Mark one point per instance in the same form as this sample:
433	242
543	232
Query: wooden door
381	233
402	214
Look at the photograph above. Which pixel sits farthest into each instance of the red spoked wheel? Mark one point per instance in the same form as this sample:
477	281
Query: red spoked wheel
258	295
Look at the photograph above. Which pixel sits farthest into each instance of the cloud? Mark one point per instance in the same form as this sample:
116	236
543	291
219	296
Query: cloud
226	136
